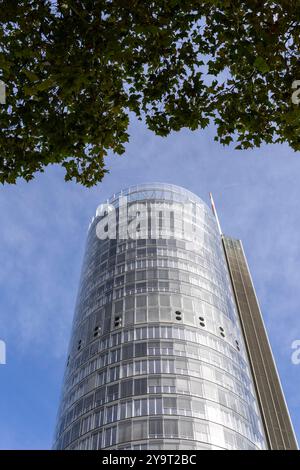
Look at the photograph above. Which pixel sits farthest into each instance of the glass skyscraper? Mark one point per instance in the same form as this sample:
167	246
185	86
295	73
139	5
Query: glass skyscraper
164	353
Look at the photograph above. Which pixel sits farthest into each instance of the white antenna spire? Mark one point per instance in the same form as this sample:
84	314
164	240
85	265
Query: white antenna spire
215	212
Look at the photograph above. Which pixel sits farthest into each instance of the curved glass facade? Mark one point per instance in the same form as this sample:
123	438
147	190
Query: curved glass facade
157	358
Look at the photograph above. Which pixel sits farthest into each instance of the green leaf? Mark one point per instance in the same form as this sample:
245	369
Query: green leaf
261	65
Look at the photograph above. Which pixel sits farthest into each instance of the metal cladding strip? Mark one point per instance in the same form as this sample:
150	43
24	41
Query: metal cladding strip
277	422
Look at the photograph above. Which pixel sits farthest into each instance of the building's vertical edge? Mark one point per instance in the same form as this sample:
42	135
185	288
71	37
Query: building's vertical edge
229	262
276	418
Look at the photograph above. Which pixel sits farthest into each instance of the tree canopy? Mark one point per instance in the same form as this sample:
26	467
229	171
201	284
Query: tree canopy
75	71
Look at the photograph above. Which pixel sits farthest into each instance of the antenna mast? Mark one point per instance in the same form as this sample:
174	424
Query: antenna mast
215	213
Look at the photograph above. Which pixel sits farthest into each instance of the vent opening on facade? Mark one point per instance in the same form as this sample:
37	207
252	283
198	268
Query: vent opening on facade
178	315
96	331
79	345
118	321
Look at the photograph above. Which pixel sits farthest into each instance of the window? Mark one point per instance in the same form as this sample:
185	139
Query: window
182	385
154	384
128	370
168	385
198	408
127	388
201	431
156	427
186	429
151	251
119	306
129	303
124	432
152	273
99	418
129	317
154	332
141	252
141	287
114	373
75	431
184	406
141	349
121	258
222	397
155	406
110	437
154	366
153	314
141	315
115	355
140	407
84	444
140	386
112	392
187	303
153	300
116	339
164	365
126	409
100	396
171	428
154	348
163	285
165	300
97	440
176	299
170	407
140	367
88	403
141	333
130	288
167	347
141	275
111	413
139	430
141	301
127	351
128	335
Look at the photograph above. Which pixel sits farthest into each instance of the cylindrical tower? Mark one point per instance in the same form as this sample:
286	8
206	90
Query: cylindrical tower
157	358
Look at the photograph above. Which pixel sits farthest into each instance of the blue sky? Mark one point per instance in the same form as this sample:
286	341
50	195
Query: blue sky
42	236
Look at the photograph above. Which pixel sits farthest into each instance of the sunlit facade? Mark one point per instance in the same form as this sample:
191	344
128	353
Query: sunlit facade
157	358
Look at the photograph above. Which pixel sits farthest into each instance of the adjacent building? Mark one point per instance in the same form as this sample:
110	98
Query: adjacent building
168	348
